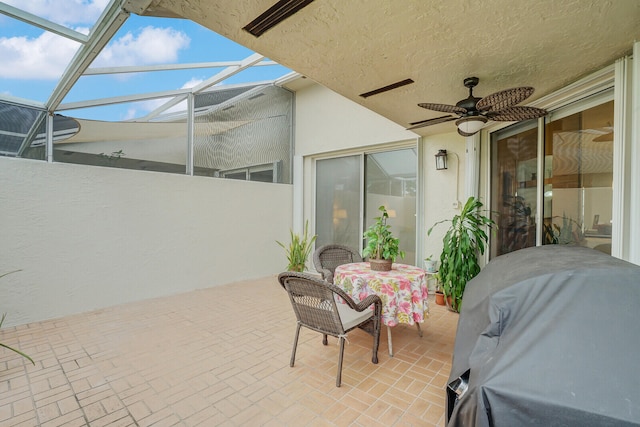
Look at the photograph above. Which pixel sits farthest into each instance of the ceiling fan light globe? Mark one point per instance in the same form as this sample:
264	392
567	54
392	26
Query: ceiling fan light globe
468	126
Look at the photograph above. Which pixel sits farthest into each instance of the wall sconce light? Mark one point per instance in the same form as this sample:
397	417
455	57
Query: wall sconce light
441	160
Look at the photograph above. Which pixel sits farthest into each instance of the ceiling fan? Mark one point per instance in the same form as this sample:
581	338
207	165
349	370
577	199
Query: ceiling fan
472	113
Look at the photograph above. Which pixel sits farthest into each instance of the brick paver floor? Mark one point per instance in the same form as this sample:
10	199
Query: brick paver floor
219	357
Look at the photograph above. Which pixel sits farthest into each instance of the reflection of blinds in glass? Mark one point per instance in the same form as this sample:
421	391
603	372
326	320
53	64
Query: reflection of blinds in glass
581	152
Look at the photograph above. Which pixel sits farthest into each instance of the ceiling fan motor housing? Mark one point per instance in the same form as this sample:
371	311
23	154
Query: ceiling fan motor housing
470	105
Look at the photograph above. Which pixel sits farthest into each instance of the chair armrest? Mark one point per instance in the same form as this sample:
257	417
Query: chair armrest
362	305
368	302
327	275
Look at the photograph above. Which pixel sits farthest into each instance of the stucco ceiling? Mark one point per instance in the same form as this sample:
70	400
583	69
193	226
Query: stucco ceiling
355	46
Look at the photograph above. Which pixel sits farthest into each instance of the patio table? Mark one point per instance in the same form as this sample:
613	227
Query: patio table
403	292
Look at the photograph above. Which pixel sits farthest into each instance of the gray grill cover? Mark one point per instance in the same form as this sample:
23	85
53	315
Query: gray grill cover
548	336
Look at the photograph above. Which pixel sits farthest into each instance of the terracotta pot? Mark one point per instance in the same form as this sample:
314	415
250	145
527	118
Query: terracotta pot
380	264
440	298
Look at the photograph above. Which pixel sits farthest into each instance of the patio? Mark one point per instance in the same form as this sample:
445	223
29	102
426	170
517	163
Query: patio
218	356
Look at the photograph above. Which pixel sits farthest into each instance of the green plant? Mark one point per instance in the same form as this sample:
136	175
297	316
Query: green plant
567	234
380	241
299	249
462	244
2	321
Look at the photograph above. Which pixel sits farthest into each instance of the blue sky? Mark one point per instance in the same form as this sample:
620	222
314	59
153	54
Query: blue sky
33	59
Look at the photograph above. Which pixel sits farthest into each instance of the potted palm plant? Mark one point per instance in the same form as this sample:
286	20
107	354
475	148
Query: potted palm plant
299	249
382	248
2	321
11	348
462	243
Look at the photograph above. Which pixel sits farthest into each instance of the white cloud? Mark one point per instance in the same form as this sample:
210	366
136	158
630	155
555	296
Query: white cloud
131	113
64	12
151	46
192	83
142	108
46	56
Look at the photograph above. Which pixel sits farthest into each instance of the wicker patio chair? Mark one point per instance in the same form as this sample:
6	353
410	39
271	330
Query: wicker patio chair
315	306
326	258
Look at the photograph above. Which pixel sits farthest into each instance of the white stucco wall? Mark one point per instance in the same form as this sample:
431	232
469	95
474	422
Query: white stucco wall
326	121
442	188
91	237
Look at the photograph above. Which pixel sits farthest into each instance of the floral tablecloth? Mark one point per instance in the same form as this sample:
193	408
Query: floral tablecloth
403	290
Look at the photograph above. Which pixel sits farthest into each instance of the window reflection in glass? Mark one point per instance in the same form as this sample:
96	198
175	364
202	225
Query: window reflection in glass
514	188
578	192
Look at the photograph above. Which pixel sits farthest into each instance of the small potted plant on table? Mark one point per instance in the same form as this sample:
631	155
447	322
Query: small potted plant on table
382	248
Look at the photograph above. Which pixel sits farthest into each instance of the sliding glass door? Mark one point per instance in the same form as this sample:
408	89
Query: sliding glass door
350	189
557	189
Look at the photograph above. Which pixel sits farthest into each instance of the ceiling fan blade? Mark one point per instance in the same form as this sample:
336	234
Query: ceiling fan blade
504	99
445	108
429	122
516	114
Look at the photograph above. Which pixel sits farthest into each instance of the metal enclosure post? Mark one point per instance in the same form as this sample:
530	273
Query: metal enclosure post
190	127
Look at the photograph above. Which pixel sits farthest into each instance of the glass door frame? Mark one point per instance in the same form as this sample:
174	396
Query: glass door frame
361	153
587	92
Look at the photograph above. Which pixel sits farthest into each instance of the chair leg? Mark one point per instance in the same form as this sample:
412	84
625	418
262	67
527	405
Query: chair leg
376	333
295	345
339	378
376	343
324	339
